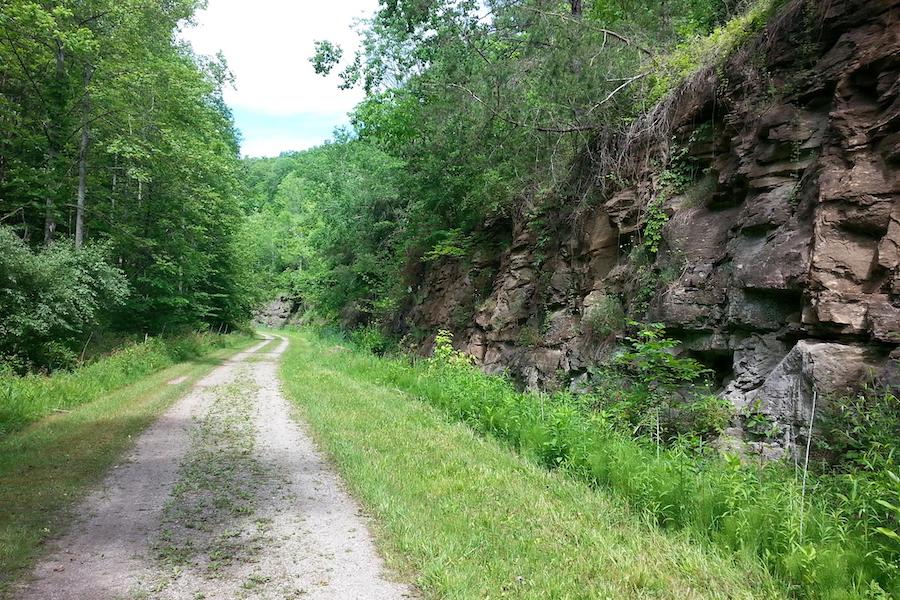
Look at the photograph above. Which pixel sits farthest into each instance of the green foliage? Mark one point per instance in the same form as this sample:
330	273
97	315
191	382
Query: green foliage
326	56
704	48
758	423
863	430
648	390
672	180
371	339
451	244
859	443
445	354
655	219
325	226
50	298
709	414
604	318
652	361
814	543
159	159
26	399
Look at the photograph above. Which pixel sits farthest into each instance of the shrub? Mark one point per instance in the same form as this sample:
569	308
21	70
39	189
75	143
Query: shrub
50	297
604	318
371	339
860	439
709	414
652	361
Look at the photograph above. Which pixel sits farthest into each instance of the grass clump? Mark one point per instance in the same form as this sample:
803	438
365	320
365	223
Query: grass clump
604	318
813	544
26	399
707	49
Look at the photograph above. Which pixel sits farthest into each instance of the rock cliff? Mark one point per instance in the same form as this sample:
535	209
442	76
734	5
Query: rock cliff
773	182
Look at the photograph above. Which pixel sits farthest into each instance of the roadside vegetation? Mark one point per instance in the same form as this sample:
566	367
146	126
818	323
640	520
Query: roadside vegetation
119	190
835	539
26	399
46	468
464	516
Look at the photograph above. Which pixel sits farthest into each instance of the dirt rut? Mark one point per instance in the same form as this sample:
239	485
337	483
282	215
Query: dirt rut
225	496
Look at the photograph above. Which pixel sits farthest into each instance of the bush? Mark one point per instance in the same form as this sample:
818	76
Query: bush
371	339
859	441
49	298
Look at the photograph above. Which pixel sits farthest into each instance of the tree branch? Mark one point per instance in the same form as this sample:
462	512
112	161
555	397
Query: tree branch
552	128
622	38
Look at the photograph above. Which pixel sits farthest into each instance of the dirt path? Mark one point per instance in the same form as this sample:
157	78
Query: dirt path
224	497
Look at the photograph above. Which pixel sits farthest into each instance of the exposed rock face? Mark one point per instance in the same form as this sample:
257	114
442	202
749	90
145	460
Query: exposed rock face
276	313
779	264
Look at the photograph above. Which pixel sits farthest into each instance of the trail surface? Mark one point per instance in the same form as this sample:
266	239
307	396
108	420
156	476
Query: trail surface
224	497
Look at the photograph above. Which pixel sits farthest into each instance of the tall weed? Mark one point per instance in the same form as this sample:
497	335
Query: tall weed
815	544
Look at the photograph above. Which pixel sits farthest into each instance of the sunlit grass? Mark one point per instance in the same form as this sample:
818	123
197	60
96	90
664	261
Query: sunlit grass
24	400
815	545
467	517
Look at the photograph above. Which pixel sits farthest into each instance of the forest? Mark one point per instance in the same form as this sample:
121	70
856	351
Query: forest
120	197
640	256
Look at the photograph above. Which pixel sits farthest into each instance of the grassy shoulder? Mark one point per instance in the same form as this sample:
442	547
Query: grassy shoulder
26	399
475	519
49	465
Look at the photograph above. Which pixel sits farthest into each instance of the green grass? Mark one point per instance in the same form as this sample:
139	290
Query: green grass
475	519
24	400
714	48
48	466
837	541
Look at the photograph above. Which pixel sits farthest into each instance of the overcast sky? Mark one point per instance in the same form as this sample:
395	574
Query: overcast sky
279	102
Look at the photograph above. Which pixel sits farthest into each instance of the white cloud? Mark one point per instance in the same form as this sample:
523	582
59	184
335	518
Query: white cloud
267	44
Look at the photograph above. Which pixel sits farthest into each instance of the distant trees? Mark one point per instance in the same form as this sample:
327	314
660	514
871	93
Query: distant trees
329	228
112	130
473	111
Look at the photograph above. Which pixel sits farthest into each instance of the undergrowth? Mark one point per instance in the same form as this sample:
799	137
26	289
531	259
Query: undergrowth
26	399
814	542
702	50
465	516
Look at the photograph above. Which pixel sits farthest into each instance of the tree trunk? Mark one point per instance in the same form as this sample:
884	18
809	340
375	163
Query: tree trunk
54	145
49	220
82	161
577	7
82	187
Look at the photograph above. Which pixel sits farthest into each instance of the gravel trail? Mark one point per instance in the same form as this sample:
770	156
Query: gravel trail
225	496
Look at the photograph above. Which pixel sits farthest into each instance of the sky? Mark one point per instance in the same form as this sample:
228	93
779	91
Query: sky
279	102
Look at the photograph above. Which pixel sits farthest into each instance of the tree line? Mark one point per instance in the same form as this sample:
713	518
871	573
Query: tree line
119	177
473	111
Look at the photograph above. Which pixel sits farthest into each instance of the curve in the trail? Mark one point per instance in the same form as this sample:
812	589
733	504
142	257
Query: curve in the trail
225	496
